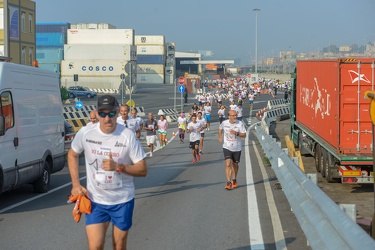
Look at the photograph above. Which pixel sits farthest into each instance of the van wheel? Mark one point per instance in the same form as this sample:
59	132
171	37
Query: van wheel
71	95
318	158
88	96
42	184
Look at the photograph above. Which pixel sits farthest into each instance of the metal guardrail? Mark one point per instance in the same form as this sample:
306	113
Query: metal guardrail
325	225
277	103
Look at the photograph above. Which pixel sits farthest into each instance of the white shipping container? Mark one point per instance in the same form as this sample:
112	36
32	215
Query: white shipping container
100	68
106	26
150	78
73	26
150	50
92	25
125	52
150	69
101	36
81	26
149	40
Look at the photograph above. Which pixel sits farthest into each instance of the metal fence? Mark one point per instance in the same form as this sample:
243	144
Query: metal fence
325	225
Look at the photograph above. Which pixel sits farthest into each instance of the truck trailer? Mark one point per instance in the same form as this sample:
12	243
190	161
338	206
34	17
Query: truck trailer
330	117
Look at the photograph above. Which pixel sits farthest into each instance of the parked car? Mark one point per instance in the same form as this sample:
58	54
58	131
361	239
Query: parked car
79	91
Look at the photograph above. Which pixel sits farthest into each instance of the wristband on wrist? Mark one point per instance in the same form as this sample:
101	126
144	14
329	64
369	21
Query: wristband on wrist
120	168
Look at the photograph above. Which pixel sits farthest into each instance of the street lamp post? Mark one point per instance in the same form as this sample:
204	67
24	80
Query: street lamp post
256	40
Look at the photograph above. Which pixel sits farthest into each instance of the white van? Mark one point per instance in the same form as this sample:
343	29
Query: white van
31	127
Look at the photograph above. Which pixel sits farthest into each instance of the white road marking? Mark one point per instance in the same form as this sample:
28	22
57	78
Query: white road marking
37	197
275	218
255	230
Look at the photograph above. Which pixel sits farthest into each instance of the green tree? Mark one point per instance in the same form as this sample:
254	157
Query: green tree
64	94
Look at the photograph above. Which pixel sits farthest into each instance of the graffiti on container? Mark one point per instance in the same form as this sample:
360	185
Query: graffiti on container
354	76
317	99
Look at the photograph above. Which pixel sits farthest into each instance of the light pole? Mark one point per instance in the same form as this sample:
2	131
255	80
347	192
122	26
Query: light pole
256	40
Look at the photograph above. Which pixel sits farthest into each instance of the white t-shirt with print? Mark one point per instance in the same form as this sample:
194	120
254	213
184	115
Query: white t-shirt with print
131	123
232	142
195	134
203	122
207	109
108	187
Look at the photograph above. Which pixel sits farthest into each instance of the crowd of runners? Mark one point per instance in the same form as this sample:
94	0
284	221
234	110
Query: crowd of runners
114	155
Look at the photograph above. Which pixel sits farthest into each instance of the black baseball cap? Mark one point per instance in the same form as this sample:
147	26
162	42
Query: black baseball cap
107	102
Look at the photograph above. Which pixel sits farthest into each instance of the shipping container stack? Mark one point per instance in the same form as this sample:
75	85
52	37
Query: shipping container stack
98	53
50	40
170	63
150	59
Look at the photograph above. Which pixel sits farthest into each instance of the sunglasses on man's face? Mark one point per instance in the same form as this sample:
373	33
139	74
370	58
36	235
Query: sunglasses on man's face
110	114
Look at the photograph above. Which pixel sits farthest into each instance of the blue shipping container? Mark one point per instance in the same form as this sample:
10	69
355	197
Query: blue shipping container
52	27
55	67
51	39
49	55
150	59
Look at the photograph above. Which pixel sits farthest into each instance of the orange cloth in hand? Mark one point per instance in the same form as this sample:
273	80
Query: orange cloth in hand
83	205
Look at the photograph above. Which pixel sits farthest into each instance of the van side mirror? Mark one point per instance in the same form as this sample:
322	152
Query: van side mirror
2	125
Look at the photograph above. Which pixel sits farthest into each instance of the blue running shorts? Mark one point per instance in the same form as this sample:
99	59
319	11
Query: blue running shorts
120	215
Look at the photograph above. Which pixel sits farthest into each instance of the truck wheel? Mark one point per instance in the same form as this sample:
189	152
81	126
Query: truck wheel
330	169
324	162
318	158
42	184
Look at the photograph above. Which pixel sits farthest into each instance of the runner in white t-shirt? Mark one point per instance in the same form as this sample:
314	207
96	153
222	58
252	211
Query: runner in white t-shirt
113	155
194	128
203	121
232	146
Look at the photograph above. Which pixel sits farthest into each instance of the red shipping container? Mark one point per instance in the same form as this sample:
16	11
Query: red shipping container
330	102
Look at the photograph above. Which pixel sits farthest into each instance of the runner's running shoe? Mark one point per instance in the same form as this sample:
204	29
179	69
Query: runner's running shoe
195	160
199	157
234	183
229	185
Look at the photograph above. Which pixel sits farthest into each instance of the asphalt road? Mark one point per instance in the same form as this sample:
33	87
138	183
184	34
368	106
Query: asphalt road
179	205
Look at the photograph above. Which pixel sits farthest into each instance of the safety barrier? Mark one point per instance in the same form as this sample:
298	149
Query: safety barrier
277	103
140	111
274	114
80	117
171	115
71	112
78	123
325	225
106	91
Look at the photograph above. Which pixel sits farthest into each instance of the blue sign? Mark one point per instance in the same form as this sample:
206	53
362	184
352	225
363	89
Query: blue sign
79	105
181	88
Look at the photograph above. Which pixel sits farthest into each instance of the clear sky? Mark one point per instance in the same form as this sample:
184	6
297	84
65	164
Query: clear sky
227	27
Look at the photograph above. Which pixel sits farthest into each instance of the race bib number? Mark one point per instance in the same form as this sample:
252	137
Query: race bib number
108	179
